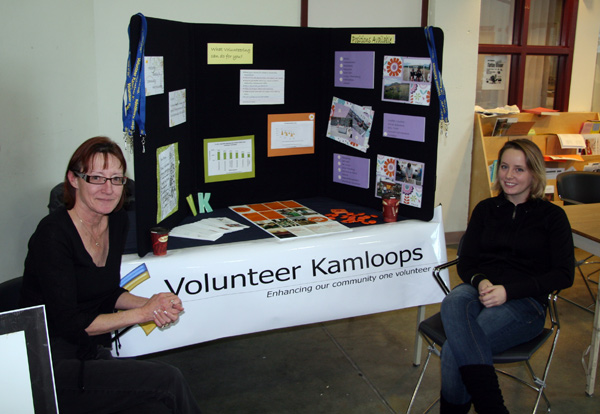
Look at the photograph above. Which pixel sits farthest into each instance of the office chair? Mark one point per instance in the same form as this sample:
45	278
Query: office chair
580	187
432	331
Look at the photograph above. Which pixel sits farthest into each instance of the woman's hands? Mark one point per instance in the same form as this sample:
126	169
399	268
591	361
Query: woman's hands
163	308
491	295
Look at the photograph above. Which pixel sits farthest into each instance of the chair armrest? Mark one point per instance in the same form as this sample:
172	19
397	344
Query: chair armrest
553	308
568	201
438	277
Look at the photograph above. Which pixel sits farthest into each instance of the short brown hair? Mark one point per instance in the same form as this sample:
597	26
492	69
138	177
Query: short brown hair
535	163
81	162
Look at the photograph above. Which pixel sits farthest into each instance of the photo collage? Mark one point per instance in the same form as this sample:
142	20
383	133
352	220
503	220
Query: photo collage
406	80
288	219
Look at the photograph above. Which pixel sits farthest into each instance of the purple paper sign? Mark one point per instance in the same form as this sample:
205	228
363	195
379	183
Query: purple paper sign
411	128
351	170
354	69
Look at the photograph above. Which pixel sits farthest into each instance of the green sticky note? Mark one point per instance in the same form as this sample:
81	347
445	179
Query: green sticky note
190	201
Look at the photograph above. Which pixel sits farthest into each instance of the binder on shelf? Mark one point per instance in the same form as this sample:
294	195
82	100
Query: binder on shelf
590	127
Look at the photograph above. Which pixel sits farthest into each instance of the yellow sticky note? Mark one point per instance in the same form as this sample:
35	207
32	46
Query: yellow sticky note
230	53
369	39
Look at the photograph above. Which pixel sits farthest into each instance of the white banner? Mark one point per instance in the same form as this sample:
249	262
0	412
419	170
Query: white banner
239	288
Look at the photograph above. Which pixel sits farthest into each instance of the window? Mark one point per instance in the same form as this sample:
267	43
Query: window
526	53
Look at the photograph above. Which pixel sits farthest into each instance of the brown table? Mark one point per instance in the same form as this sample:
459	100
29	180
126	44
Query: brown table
585	225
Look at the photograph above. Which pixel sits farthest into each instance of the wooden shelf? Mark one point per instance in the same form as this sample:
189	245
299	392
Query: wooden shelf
486	146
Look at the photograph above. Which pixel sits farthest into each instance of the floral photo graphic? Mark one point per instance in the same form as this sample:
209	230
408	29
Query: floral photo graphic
400	178
407	80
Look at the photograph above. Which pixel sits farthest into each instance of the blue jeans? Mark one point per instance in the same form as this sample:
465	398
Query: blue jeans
474	333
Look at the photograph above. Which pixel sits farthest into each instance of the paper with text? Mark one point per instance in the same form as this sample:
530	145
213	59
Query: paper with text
167	175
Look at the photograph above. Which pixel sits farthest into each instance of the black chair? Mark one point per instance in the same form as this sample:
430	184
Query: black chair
10	292
580	187
432	331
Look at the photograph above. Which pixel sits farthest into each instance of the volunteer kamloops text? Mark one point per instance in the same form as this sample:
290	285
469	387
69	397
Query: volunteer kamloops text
319	268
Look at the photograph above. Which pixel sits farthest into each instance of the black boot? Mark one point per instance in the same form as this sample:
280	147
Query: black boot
448	408
481	382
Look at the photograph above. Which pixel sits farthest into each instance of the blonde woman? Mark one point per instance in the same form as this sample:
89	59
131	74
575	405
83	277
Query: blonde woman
516	250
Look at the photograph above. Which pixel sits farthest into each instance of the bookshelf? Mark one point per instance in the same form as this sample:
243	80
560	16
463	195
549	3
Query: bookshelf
545	128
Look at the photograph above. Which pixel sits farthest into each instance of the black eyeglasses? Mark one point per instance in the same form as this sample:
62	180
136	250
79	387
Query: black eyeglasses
99	180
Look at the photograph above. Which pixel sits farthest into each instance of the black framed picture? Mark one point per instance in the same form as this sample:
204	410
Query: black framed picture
25	351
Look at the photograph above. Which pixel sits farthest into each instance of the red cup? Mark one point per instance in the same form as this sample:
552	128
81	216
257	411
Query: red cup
159	236
390	209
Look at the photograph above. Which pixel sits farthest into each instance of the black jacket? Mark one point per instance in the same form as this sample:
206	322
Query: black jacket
527	248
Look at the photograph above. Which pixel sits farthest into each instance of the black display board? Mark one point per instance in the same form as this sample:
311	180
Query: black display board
213	111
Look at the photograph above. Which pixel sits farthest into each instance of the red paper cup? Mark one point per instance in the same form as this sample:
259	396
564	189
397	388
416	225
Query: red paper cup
390	209
159	236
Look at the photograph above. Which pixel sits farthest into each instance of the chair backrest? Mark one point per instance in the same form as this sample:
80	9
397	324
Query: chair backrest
10	292
579	187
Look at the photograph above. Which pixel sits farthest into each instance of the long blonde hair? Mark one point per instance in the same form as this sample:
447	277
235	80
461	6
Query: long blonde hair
535	164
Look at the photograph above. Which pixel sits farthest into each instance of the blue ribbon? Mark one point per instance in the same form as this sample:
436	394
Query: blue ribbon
437	78
134	99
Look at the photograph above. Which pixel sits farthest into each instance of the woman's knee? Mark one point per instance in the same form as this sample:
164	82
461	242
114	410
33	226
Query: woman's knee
169	372
460	296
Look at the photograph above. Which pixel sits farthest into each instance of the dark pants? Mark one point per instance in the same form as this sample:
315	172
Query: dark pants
113	385
475	333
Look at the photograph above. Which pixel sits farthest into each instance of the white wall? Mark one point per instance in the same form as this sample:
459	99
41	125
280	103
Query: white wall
64	65
62	76
460	22
48	103
584	56
361	13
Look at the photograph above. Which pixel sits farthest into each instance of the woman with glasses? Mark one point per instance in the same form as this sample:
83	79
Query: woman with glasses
73	268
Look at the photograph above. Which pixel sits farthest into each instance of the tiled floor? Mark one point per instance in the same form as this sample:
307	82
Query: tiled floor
361	366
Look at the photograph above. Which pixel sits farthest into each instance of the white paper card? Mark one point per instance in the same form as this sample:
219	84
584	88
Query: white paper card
571	140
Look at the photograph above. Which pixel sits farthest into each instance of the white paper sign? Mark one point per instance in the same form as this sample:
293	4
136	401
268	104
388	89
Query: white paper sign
177	112
262	87
292	134
154	75
167	176
494	73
